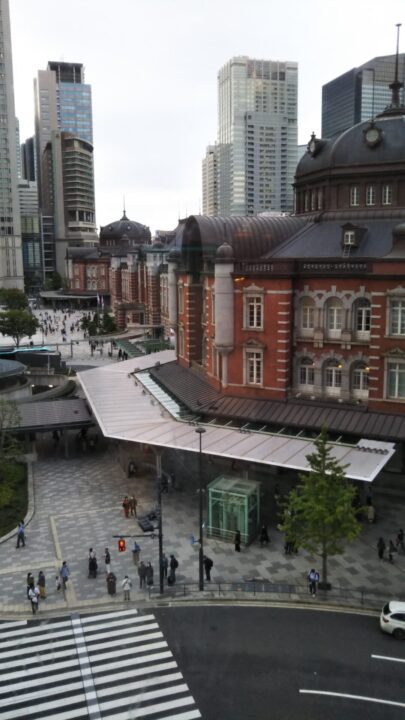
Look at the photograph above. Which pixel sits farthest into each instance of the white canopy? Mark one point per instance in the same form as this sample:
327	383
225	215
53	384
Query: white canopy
126	409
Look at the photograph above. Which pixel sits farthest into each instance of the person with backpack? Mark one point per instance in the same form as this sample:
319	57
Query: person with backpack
126	586
313	580
208	564
173	567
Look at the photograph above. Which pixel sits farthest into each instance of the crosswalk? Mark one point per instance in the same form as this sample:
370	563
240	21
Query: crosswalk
110	666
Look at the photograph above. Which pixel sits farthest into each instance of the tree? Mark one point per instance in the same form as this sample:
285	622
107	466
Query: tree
13	299
17	324
108	324
320	515
55	282
10	449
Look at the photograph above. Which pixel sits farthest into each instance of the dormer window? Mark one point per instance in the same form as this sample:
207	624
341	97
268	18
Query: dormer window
351	236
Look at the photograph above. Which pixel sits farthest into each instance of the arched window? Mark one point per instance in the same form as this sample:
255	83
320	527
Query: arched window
307	316
359	383
333	377
334	318
362	319
306	374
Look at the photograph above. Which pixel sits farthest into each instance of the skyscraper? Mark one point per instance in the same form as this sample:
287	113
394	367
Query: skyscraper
257	136
210	181
359	94
11	267
64	152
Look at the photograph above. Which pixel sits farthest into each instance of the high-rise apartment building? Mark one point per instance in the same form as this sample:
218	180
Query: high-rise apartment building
11	267
64	159
31	235
257	136
210	181
359	94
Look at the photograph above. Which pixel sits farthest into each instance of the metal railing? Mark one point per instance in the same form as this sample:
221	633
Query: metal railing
256	588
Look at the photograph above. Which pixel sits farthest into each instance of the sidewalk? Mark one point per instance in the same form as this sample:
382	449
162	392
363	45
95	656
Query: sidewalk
78	505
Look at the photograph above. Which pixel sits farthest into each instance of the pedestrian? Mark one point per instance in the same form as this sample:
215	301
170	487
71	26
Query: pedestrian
133	504
381	547
107	560
125	505
21	534
136	551
126	586
41	585
391	549
400	541
30	582
313	580
92	553
173	564
142	574
371	514
111	583
64	574
93	565
57	583
33	595
149	574
164	565
264	536
208	564
237	541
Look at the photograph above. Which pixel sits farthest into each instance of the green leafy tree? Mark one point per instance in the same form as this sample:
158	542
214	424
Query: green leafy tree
13	299
18	324
55	282
108	324
10	449
319	514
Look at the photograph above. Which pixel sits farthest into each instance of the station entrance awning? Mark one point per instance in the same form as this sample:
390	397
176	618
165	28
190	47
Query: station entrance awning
127	407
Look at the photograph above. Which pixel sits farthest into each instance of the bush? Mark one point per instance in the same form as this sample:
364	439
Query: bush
13	495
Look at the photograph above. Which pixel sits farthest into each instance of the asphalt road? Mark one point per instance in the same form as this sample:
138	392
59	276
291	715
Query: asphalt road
249	663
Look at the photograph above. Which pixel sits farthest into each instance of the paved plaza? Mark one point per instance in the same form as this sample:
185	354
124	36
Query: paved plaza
78	505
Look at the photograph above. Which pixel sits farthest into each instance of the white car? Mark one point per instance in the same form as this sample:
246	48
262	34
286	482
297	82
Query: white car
392	619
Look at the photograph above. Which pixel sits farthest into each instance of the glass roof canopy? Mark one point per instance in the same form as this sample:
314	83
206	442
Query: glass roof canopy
181	413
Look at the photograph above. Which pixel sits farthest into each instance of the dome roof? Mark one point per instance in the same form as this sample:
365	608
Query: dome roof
125	230
352	148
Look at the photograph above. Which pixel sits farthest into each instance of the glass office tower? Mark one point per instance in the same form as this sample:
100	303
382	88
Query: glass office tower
257	136
359	94
11	266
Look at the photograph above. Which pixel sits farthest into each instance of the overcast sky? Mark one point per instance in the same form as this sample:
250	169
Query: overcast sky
153	69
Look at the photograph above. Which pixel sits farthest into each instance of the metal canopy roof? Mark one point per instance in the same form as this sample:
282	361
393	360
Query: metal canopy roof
126	410
53	414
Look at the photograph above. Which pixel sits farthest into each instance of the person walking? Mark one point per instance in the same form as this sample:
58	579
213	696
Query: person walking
133	504
30	582
21	534
126	586
64	574
93	565
208	564
107	560
125	505
313	580
142	575
111	583
173	564
149	574
264	536
41	585
33	595
391	550
381	547
165	565
136	551
400	541
237	541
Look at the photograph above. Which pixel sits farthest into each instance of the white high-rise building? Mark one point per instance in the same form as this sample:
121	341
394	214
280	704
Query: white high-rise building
210	181
11	265
257	136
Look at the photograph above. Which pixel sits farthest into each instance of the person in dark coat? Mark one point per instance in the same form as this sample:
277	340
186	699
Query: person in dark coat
173	567
93	567
208	564
165	565
264	536
237	541
381	548
142	574
149	574
111	583
391	550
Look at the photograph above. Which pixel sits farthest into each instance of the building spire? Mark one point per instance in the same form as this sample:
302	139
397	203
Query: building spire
124	216
396	85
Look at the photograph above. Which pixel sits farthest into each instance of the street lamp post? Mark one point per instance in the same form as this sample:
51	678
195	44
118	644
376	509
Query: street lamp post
200	431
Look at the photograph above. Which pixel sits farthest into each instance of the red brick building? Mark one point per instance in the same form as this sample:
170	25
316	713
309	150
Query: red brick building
303	314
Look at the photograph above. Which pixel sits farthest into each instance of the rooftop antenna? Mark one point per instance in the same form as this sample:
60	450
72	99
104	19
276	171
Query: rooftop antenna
396	85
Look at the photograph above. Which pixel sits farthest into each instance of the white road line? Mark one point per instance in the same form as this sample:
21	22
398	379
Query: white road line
15	687
110	667
43	693
352	697
20	642
119	633
43	707
149	669
385	657
35	629
188	715
125	622
140	684
88	619
149	709
26	673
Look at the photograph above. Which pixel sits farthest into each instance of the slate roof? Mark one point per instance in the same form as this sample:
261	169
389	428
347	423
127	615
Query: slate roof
188	386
